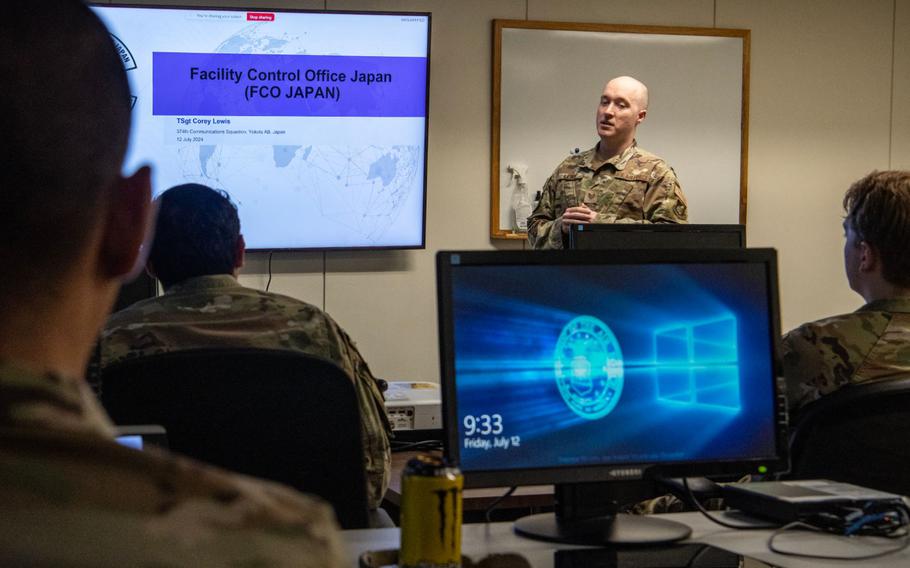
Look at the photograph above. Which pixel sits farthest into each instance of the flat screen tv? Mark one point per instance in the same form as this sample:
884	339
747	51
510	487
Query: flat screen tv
577	368
314	122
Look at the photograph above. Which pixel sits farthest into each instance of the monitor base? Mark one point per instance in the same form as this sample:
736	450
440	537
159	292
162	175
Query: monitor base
618	529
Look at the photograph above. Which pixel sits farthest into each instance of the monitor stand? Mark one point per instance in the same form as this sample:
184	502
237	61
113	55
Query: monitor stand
586	513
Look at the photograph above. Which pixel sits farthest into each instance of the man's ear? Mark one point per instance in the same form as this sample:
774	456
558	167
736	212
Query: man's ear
641	115
128	228
239	253
868	257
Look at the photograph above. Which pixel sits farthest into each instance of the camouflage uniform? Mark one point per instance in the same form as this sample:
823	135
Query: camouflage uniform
671	504
870	344
71	496
216	311
634	187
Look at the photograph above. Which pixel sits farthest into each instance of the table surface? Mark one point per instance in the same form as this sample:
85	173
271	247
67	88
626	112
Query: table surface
482	539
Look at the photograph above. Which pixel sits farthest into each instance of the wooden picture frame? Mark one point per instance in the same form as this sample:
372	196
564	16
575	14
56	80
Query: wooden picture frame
547	79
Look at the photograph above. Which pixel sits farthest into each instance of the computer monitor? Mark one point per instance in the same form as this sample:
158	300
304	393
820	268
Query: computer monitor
599	236
575	367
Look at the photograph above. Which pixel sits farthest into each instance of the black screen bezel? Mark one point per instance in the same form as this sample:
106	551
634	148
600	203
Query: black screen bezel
613	236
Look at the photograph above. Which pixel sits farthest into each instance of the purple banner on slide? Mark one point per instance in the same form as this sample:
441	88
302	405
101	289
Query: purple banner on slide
222	84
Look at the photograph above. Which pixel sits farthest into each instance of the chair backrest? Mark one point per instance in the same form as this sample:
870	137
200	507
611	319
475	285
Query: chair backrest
859	434
278	415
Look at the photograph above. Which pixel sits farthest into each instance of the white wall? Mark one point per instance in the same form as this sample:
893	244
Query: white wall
830	101
900	110
820	119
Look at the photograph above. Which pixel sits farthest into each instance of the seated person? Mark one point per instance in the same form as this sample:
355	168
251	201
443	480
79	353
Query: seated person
872	343
197	253
72	229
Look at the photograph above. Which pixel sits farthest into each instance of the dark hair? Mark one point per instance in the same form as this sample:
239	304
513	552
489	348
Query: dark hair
195	235
878	211
64	126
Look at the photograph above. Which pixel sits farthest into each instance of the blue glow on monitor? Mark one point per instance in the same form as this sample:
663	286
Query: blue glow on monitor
697	363
611	364
588	367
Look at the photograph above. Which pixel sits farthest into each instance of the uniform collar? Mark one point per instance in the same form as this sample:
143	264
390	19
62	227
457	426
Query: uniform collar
899	305
618	161
48	401
210	282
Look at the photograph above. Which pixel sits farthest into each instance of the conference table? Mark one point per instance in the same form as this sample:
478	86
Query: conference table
480	540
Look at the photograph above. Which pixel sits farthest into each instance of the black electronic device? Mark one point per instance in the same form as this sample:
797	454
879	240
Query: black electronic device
315	122
600	236
801	500
601	373
673	556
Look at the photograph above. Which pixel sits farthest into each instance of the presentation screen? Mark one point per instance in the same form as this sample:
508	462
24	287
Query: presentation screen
315	123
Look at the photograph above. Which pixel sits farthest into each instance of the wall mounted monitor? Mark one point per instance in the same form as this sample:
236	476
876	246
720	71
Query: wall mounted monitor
575	367
314	122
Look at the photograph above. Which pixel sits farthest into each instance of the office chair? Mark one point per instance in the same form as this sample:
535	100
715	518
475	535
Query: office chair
858	434
278	415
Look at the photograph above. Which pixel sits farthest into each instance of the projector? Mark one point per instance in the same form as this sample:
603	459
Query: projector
414	405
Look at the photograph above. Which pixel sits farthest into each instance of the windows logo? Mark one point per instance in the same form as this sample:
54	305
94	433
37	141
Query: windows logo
698	363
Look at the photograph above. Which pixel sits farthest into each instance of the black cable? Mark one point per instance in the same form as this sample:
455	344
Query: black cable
714	519
904	544
854	528
421	445
486	513
269	283
693	562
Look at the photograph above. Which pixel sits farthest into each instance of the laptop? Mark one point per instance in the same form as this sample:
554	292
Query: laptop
141	436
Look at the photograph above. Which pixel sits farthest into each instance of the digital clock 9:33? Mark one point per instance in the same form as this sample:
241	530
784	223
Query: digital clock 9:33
482	424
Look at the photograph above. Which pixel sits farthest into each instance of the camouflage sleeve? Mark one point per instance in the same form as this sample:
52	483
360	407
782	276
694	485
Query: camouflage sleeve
658	505
804	366
156	509
184	537
375	425
544	226
665	202
822	356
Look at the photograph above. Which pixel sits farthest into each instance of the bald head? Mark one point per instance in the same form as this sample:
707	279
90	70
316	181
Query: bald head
623	105
632	88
